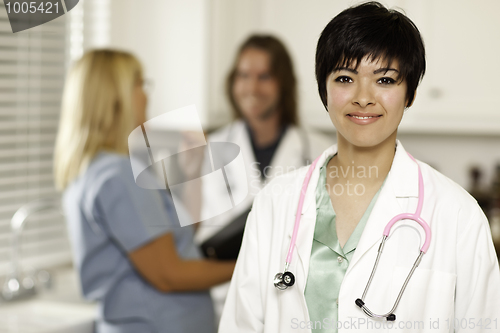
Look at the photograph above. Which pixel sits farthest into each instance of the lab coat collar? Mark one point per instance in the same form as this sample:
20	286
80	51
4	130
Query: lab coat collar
403	169
289	154
402	181
404	172
237	133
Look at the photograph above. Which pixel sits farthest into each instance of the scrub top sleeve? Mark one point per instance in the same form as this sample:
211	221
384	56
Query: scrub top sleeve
132	216
243	310
478	275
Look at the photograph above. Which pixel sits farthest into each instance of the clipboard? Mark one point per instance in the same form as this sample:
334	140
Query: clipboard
226	244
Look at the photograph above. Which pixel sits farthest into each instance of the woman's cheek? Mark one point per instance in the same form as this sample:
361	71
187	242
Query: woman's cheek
338	101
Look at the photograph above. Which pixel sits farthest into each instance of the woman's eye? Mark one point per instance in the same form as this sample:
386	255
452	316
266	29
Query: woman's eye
240	75
343	79
386	80
264	77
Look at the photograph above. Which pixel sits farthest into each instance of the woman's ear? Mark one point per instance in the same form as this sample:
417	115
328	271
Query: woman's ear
413	100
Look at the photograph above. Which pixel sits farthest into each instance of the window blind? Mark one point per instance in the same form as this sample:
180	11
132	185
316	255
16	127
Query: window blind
32	71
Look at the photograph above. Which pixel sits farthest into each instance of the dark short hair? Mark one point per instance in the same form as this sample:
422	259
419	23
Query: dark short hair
371	30
281	69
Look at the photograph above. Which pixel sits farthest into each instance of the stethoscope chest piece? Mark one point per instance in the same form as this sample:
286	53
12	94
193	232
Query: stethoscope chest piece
284	280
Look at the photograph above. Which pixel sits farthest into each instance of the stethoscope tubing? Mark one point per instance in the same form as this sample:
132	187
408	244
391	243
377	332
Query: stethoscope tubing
415	216
282	280
298	214
286	279
390	316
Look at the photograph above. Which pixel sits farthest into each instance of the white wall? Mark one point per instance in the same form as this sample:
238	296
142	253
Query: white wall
170	37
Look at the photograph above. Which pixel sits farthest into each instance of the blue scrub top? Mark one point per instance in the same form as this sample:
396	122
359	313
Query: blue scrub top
109	216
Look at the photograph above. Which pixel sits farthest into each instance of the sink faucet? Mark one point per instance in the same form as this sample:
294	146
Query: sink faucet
16	286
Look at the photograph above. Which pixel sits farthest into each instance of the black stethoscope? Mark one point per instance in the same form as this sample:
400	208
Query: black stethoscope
286	279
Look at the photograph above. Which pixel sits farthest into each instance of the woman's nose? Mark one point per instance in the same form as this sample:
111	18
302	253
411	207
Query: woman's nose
252	85
363	95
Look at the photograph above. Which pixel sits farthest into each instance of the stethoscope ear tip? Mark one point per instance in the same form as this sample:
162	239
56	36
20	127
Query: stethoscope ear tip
359	302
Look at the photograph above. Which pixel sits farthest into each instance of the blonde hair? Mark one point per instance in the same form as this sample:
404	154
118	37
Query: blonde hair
97	111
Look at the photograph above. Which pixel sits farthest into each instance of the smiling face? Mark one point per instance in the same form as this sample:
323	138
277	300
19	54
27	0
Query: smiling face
255	90
366	104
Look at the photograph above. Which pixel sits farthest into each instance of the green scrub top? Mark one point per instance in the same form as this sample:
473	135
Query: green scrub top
329	261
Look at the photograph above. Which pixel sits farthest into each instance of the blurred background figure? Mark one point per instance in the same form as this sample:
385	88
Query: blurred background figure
262	90
131	254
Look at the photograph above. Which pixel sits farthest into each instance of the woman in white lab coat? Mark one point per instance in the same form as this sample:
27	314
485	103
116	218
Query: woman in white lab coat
261	88
369	61
262	91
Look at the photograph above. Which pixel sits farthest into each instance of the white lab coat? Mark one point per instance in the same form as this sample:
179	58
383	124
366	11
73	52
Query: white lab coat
457	280
295	146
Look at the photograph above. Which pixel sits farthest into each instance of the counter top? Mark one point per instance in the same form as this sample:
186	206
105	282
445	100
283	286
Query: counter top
60	309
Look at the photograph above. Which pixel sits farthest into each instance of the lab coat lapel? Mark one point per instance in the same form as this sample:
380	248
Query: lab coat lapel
288	156
401	182
386	208
242	138
305	234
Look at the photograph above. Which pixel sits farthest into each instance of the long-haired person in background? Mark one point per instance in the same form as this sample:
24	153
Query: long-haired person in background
332	247
131	254
262	90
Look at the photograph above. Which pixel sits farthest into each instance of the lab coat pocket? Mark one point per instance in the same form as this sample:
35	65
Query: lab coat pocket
428	301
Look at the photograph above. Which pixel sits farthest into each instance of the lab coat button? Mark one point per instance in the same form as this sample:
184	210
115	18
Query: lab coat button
337	301
340	259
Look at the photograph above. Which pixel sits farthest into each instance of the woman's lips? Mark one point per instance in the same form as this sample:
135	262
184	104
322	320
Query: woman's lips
363	119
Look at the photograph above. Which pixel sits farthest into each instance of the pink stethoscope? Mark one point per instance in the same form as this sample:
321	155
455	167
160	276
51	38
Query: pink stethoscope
286	279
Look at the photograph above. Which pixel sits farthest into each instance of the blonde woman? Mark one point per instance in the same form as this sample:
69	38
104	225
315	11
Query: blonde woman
130	253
